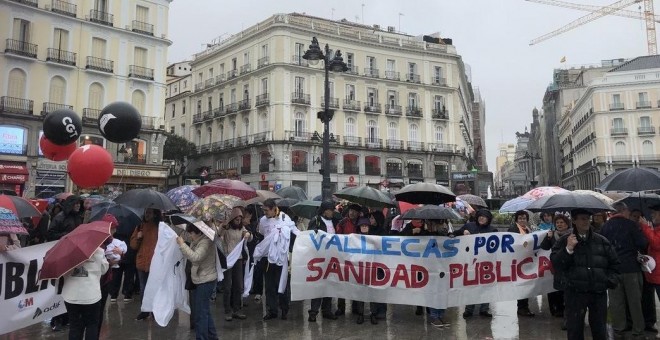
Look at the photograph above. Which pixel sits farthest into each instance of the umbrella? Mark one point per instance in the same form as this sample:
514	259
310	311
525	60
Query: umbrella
177	219
93	200
431	212
307	209
286	202
540	192
473	200
365	196
425	193
633	180
19	205
405	206
183	196
461	207
641	201
63	195
73	249
146	198
598	195
568	201
515	204
9	223
216	207
226	187
127	217
266	194
293	192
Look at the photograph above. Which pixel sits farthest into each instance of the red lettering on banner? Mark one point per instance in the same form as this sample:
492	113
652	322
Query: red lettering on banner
400	274
312	266
455	271
486	272
333	268
544	265
419	275
498	273
374	274
520	272
375	280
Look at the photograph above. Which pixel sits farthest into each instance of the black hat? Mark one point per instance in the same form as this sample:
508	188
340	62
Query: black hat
326	205
355	207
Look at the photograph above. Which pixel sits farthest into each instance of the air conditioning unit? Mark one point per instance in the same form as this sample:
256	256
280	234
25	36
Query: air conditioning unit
390	29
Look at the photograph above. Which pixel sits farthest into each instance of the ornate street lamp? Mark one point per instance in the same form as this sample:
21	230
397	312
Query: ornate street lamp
313	55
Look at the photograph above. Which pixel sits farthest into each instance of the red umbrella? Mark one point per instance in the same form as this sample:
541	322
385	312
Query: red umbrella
19	205
74	249
228	187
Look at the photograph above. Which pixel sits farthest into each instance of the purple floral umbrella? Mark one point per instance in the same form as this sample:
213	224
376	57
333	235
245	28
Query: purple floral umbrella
183	196
9	223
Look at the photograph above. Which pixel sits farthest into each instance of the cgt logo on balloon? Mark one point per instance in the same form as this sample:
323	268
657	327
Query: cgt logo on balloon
104	120
69	127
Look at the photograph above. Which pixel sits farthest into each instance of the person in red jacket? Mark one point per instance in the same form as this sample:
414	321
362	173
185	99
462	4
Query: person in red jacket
348	225
651	231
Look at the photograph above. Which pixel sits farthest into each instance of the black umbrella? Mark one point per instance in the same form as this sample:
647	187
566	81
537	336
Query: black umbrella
292	192
568	201
307	209
146	198
366	196
431	212
128	217
641	201
425	193
286	202
633	180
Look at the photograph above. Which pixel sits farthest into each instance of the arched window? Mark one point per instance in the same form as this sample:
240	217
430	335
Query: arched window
57	90
264	122
413	133
439	134
372	132
209	135
350	127
17	83
96	96
233	129
392	131
620	149
199	137
647	148
246	125
299	124
138	101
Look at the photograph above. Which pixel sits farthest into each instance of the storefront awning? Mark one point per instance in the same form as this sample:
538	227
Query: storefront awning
14	168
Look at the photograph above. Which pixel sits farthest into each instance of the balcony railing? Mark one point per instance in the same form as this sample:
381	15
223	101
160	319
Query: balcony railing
439	173
394	170
22	48
352	69
219	112
32	3
351	169
244	104
246	68
197	118
393	110
16	105
372	107
261	137
140	72
352	141
298	60
300	98
333	103
302	136
61	57
299	167
205	148
50	107
413	78
440	114
143	27
646	130
439	81
90	116
442	147
414	111
245	170
99	17
207	115
415	146
63	7
351	105
371	72
199	86
264	167
219	79
262	62
231	108
372	171
644	105
616	106
392	75
394	144
262	99
209	82
99	64
232	74
415	173
619	131
373	143
133	159
148	123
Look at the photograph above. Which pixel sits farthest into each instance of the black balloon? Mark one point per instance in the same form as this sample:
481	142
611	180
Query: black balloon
120	122
62	127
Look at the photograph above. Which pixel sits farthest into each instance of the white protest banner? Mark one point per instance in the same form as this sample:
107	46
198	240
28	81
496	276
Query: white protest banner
24	299
428	271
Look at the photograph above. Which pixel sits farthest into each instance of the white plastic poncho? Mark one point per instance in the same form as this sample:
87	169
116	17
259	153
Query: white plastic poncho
275	245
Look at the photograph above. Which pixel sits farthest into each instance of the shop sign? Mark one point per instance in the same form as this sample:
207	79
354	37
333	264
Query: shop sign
12	178
139	173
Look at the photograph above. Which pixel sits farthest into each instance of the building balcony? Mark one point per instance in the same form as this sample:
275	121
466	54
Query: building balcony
300	98
333	103
61	57
302	136
33	3
261	137
371	72
646	130
90	116
262	99
351	105
231	108
372	107
415	146
414	111
242	141
372	171
22	48
219	112
206	115
148	123
209	82
265	167
648	158
299	167
132	159
99	64
64	8
442	147
232	74
394	144
393	110
197	118
413	78
264	61
246	68
439	173
415	173
439	81
394	171
440	114
16	105
643	104
50	107
298	60
351	169
205	148
140	72
143	28
373	143
103	18
352	141
616	106
199	86
244	104
352	69
392	75
219	79
619	131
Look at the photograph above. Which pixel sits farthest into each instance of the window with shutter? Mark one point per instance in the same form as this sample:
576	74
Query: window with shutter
57	90
16	86
96	95
138	101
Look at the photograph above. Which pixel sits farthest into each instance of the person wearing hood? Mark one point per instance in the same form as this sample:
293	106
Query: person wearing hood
68	219
325	221
230	235
556	299
348	225
364	228
481	226
521	226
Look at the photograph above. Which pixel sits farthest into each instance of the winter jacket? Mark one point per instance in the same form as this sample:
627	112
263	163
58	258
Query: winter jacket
317	223
202	255
346	226
82	285
145	246
547	244
66	220
590	269
514	229
230	237
653	236
627	240
475	228
256	237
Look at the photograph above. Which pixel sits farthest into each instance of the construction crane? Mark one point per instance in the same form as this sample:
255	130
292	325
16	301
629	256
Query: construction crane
597	12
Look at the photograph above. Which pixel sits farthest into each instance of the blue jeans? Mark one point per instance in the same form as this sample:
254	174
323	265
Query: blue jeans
143	276
204	326
436	314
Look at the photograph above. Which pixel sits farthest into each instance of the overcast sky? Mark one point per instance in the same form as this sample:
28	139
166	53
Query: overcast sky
492	36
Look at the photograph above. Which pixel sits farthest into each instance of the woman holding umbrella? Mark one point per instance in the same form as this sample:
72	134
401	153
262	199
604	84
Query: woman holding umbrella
521	226
562	227
143	241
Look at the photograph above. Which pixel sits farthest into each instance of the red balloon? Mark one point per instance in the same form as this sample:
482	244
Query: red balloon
90	166
56	152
